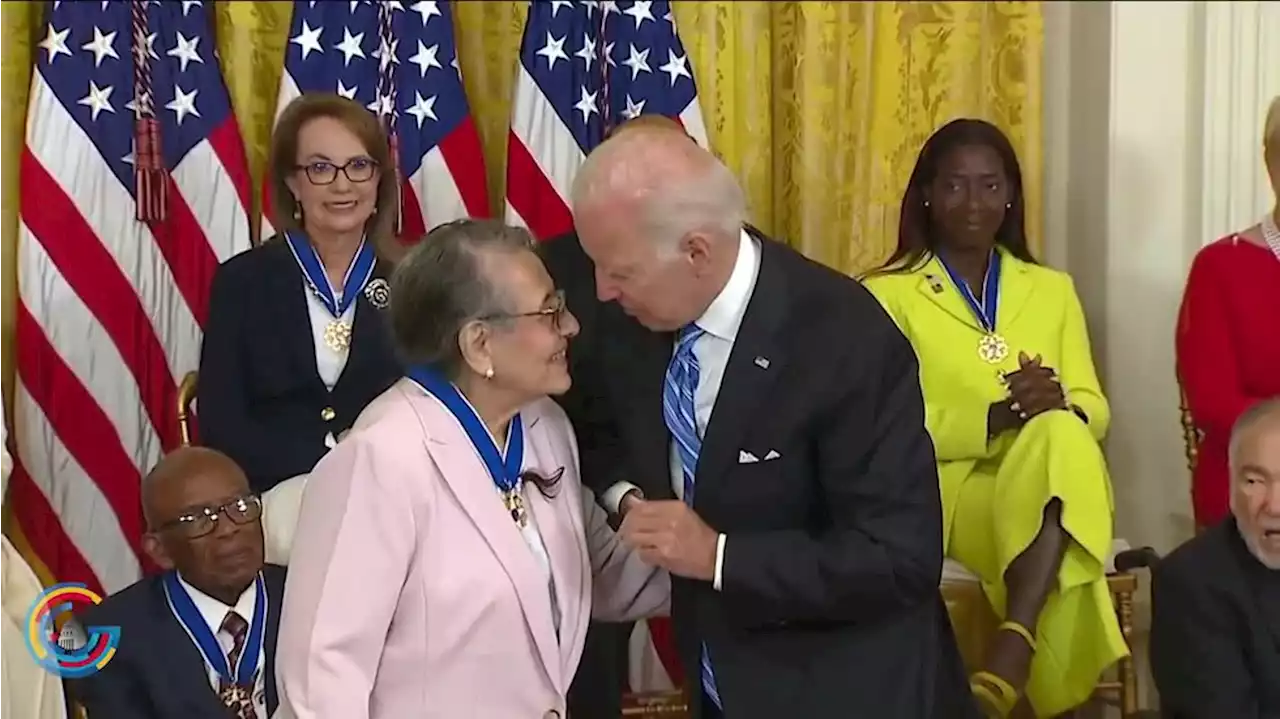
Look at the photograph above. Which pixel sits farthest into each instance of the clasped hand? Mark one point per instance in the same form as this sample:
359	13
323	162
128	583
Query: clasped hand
669	534
1034	388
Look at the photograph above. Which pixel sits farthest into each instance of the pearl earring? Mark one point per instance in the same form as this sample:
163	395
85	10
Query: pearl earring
488	374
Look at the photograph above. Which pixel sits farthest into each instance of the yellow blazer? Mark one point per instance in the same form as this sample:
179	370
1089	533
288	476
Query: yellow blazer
1038	313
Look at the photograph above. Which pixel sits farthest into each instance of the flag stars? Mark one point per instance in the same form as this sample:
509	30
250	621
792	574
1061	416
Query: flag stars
348	92
677	65
308	39
55	43
586	105
425	58
146	50
188	4
427	10
101	46
588	50
633	109
183	104
557	4
553	50
422	109
186	50
640	11
97	100
638	61
350	46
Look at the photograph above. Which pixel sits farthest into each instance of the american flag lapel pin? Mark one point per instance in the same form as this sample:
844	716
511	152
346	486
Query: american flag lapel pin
762	362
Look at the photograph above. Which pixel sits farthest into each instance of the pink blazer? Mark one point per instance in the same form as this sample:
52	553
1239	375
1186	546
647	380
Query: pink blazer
412	595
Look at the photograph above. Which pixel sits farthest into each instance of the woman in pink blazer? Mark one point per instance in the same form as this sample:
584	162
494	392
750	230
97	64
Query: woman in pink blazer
447	559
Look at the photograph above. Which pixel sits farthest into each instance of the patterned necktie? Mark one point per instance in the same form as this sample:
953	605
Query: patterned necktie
237	698
679	412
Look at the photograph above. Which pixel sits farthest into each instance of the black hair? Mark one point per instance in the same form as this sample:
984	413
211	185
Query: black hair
917	241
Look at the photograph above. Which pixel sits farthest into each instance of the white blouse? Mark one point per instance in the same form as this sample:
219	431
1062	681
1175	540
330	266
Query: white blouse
329	362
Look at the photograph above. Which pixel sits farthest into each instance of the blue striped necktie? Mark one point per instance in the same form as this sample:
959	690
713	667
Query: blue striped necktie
678	411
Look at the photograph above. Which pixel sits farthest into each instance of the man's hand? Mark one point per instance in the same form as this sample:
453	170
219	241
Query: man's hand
670	535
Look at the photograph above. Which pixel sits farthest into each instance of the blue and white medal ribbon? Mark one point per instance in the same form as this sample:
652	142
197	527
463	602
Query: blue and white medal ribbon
337	334
991	346
503	465
184	609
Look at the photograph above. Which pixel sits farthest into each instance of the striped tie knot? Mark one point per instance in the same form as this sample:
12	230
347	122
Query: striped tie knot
687	336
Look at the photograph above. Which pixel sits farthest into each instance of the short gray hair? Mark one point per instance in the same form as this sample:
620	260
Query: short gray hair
439	286
676	185
1256	413
713	203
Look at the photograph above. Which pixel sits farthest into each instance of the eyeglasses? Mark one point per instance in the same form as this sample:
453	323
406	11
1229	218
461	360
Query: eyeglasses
555	310
357	169
202	521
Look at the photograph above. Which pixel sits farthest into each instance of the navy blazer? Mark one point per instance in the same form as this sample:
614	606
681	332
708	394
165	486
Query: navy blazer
261	399
157	671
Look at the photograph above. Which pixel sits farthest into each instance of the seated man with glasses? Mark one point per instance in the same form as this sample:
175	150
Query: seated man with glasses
198	640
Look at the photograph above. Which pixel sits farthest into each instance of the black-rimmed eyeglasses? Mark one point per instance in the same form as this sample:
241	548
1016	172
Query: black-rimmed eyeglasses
357	169
199	522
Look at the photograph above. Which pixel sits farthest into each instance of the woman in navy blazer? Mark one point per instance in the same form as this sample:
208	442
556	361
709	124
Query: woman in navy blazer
295	344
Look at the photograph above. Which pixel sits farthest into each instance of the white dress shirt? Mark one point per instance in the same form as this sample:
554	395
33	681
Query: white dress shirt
329	362
214	612
720	325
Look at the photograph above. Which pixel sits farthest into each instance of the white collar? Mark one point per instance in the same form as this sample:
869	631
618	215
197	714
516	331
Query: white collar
724	316
214	611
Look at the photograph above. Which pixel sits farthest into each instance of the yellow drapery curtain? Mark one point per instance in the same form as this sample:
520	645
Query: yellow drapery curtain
819	107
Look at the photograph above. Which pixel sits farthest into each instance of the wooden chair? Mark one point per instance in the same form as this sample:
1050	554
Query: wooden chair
186	398
1192	436
974	621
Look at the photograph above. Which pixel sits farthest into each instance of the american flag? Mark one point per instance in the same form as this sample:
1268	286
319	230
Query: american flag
401	56
585	67
110	308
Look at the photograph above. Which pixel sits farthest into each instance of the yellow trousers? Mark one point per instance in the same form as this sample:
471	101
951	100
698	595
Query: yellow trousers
999	511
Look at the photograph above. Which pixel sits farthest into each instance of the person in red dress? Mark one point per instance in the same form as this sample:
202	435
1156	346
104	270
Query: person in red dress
1228	336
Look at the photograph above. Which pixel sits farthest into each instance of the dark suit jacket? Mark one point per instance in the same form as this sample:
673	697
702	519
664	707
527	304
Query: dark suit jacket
1215	630
833	556
261	399
157	671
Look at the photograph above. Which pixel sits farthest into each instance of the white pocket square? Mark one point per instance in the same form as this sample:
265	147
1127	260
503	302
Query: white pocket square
747	457
773	454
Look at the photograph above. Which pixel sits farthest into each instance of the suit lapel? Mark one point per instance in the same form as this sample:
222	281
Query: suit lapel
937	286
366	332
756	360
180	663
468	479
294	319
561	529
1016	288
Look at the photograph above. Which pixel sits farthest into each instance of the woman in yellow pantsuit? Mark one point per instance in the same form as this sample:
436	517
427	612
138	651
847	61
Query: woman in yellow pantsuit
1013	405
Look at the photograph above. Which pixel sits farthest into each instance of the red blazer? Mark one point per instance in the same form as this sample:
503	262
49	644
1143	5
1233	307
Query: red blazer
1228	350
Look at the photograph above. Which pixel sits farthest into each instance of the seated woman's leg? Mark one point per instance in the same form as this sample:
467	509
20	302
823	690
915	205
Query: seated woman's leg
1043	563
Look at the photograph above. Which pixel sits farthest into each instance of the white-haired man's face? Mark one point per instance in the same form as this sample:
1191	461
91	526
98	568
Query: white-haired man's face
1255	498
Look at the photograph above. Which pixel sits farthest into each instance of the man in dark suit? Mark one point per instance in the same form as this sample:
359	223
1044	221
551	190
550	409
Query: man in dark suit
1215	625
809	556
198	641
